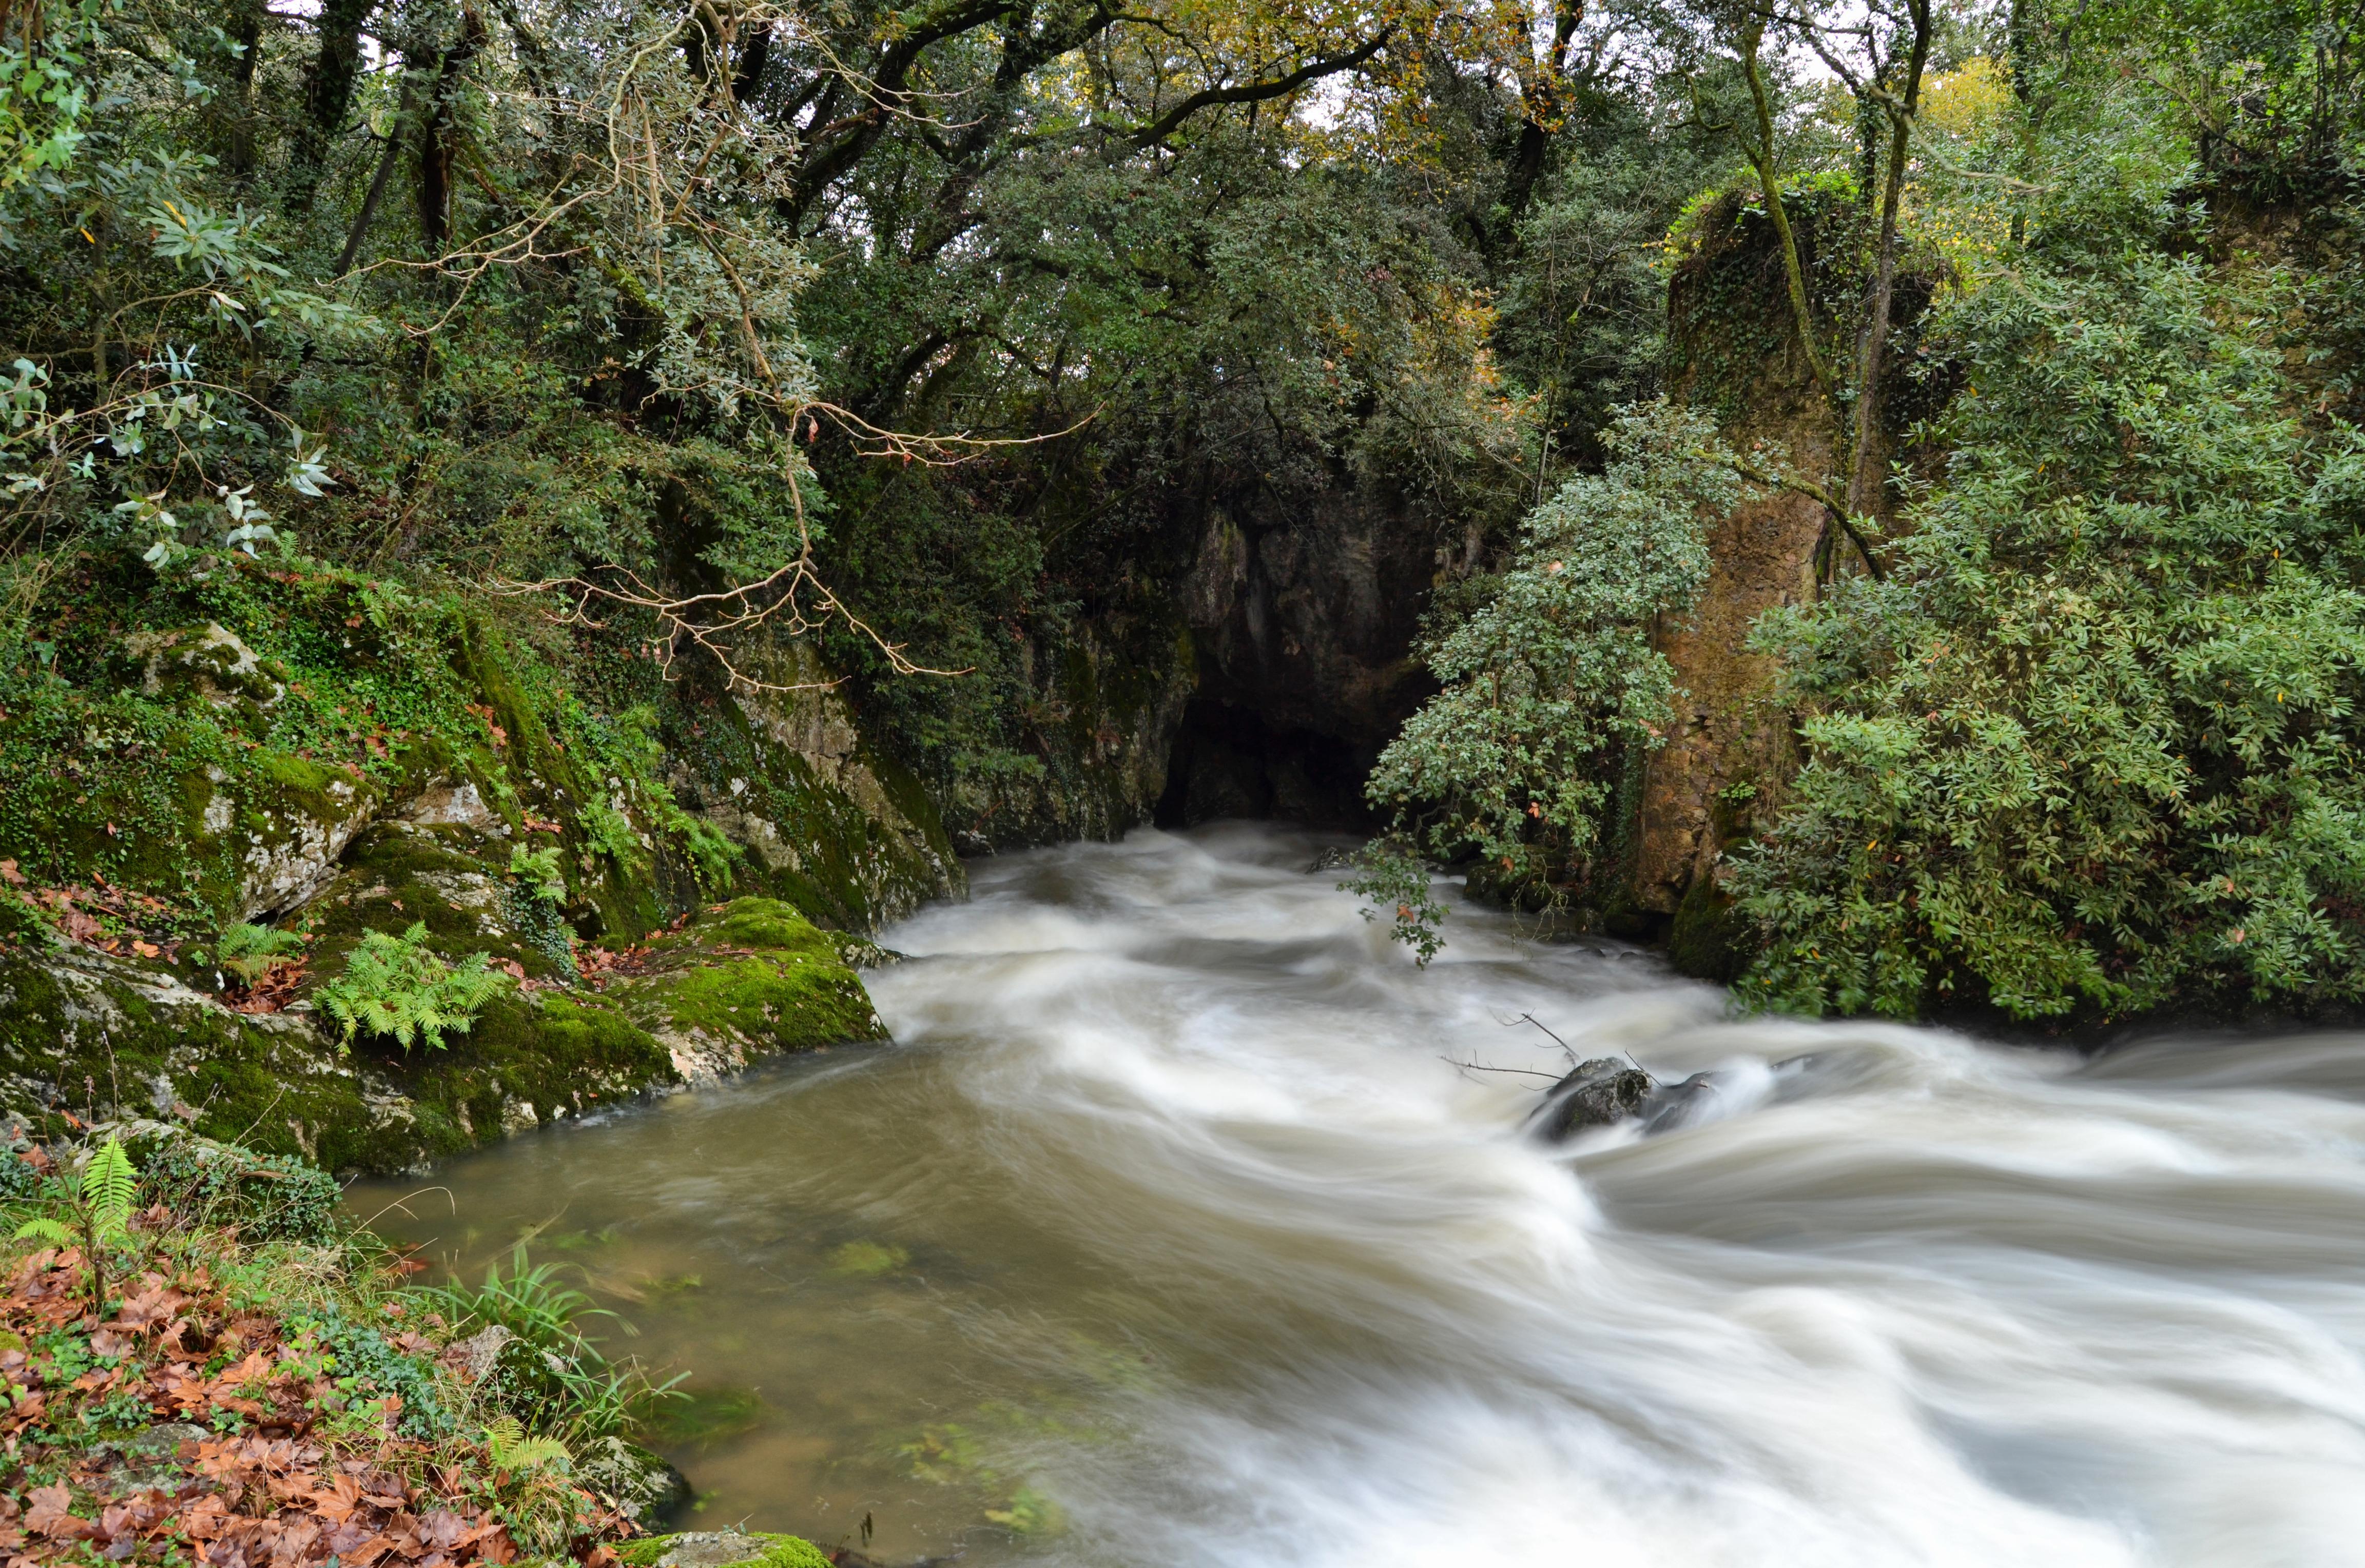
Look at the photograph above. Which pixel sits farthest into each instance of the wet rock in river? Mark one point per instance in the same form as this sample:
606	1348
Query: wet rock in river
1671	1106
1600	1093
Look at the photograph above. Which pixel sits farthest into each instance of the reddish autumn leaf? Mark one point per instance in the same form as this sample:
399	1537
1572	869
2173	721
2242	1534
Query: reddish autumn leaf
9	874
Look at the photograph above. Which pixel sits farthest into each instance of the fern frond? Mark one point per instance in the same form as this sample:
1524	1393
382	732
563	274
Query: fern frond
44	1228
110	1186
512	1450
396	987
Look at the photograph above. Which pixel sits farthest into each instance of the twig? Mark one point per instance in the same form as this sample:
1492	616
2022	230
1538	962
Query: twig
1522	1072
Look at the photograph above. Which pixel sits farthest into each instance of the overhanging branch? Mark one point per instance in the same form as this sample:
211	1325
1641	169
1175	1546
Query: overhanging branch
1258	92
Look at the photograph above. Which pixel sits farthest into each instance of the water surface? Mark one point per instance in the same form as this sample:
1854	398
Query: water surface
1181	1227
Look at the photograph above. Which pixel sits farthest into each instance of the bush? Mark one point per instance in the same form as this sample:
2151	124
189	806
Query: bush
269	1197
1553	685
2092	749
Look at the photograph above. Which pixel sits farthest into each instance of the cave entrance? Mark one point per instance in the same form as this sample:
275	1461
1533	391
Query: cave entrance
1230	762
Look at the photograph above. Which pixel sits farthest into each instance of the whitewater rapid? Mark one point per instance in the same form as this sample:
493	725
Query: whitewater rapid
1207	1239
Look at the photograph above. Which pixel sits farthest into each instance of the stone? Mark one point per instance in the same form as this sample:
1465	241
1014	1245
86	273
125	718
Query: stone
1599	1093
151	1456
641	1486
452	805
480	1351
723	1548
210	660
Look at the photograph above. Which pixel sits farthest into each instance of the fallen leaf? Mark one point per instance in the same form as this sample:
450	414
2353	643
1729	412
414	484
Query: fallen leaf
50	1514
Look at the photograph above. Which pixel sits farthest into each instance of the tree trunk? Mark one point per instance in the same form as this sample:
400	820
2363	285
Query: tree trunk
327	93
1866	459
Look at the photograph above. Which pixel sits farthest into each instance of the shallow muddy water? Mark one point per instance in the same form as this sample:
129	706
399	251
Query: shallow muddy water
1169	1233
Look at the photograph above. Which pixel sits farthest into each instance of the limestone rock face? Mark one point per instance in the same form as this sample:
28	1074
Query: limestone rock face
295	838
778	766
1729	753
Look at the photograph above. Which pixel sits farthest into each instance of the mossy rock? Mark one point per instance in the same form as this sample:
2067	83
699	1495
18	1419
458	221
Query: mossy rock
88	1036
723	1548
822	820
639	1485
745	978
1710	939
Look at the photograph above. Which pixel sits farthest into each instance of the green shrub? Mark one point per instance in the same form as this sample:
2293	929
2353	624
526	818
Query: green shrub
1552	685
2092	749
269	1197
394	986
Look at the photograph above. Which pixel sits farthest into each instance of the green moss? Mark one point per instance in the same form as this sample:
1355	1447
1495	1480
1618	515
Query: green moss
760	972
1710	939
768	1550
867	1259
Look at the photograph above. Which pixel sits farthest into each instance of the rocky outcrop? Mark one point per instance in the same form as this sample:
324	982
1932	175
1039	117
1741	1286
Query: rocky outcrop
1305	615
88	1036
778	766
428	775
1730	751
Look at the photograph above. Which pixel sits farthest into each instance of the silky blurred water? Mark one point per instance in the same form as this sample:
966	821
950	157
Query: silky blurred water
1176	1230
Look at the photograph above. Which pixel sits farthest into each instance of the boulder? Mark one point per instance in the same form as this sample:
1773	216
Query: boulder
723	1548
1599	1093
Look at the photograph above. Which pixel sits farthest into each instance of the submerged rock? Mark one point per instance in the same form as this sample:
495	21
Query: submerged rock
1599	1093
1673	1105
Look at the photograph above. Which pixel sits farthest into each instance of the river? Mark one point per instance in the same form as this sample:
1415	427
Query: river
1181	1227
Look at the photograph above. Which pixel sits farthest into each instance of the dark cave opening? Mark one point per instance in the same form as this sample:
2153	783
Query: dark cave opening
1230	762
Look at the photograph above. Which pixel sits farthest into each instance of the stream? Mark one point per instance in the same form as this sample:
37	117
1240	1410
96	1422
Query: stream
1181	1227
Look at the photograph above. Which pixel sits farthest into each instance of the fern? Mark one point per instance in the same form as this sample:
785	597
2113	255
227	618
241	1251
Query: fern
393	986
513	1450
251	952
539	872
109	1186
44	1228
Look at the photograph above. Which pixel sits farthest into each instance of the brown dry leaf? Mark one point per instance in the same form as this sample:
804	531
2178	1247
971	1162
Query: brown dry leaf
50	1514
9	874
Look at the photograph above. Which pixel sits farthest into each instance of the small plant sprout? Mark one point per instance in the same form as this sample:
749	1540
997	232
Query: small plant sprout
538	873
514	1452
251	952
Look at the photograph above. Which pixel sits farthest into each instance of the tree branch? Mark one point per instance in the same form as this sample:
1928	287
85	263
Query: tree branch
1258	92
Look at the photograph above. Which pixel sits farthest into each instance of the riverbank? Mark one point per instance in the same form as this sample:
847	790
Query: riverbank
200	1361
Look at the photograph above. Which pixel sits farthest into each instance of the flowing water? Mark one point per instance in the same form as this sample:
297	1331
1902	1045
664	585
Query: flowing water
1175	1230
